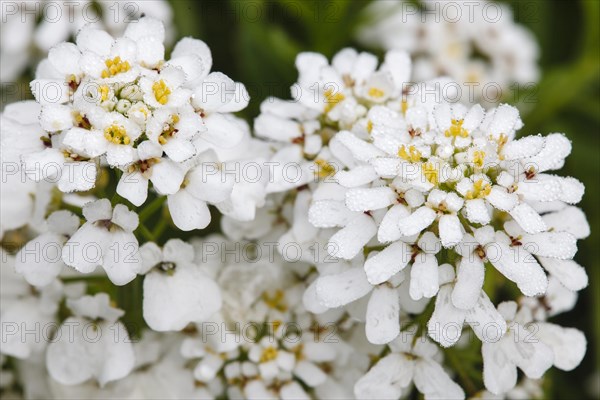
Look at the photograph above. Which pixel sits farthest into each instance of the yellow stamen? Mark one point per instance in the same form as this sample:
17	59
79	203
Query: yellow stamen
502	140
376	93
169	130
369	126
431	173
81	121
104	90
299	351
324	168
72	81
114	67
478	158
268	354
332	98
456	129
412	155
116	134
404	106
480	190
161	92
276	301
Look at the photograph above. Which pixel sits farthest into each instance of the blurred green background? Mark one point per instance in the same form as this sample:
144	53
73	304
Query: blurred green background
255	42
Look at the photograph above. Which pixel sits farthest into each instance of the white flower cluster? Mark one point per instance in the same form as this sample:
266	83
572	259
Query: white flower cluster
118	102
370	227
472	42
31	28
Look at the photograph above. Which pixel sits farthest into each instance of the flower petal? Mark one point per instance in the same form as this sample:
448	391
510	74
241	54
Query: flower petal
349	240
340	289
383	315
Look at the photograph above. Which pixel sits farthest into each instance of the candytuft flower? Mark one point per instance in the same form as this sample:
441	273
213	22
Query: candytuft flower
106	240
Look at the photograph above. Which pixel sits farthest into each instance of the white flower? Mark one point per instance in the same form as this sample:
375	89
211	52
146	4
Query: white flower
40	26
175	131
166	176
25	310
418	363
516	348
176	291
442	44
19	135
437	176
275	360
40	260
337	90
568	344
91	344
246	164
204	183
119	102
106	240
446	322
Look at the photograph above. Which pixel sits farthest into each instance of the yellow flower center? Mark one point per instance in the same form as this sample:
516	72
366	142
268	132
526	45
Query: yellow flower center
376	93
456	129
332	98
81	121
480	190
369	126
169	129
114	67
431	173
324	169
276	301
478	158
268	354
116	134
104	90
73	82
144	166
161	92
412	155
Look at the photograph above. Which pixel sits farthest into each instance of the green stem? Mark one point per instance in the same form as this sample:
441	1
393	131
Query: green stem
145	232
130	299
151	208
68	279
160	228
457	365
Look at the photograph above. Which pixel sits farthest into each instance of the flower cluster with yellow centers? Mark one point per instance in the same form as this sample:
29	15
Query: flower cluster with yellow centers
161	92
116	134
456	129
115	66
